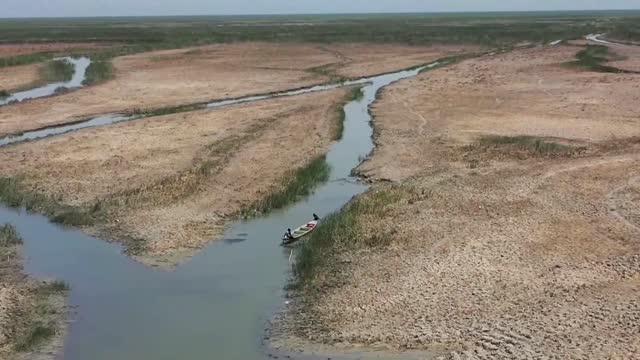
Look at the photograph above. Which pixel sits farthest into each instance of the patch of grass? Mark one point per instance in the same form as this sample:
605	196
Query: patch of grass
169	110
592	57
299	184
100	70
57	70
14	195
341	233
34	335
9	235
26	59
524	146
55	286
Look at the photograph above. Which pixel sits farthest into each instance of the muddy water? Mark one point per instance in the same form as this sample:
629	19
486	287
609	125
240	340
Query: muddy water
80	66
214	306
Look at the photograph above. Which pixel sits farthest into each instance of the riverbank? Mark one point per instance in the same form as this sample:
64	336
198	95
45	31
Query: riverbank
32	312
165	186
169	78
509	227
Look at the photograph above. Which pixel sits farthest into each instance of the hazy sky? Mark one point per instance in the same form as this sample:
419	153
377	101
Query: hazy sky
37	8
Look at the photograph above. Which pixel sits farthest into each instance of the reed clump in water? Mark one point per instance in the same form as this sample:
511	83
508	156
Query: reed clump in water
100	70
57	71
9	235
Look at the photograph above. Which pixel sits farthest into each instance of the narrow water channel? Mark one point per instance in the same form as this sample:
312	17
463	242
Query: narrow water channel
80	66
216	305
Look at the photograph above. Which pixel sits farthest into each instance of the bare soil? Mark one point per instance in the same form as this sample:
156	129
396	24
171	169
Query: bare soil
18	77
172	183
175	77
23	49
493	255
526	92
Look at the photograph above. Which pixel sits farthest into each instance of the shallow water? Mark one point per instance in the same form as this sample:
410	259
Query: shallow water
108	119
80	69
214	306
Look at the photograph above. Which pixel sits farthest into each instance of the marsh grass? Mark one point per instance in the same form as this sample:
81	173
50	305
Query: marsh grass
523	147
33	335
56	286
298	184
9	236
57	70
14	195
592	57
100	70
40	322
169	110
344	232
26	59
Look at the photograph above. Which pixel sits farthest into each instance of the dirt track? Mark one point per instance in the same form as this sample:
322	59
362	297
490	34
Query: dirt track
174	77
496	252
174	181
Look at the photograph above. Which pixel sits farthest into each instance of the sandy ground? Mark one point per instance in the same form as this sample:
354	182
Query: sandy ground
494	256
19	297
521	93
358	60
22	49
629	54
174	77
174	181
17	77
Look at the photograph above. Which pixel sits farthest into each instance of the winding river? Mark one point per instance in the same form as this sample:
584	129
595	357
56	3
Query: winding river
216	305
80	66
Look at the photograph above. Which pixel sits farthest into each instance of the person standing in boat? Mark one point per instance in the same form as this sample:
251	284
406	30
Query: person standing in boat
316	217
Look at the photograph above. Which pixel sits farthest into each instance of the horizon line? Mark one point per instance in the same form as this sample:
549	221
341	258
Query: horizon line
322	13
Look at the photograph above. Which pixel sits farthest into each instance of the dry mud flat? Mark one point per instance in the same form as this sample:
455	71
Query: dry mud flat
169	184
17	77
499	248
176	77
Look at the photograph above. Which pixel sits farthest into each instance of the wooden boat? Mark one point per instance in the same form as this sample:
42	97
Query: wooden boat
300	232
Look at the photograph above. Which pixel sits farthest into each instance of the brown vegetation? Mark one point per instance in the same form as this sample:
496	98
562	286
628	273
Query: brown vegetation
167	185
174	77
512	225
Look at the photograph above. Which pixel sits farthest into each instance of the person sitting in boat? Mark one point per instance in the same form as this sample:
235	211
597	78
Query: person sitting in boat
316	217
288	234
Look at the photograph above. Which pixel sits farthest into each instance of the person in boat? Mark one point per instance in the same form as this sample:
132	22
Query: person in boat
316	217
288	235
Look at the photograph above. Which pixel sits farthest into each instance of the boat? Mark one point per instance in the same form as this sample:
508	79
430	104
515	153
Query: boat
300	232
